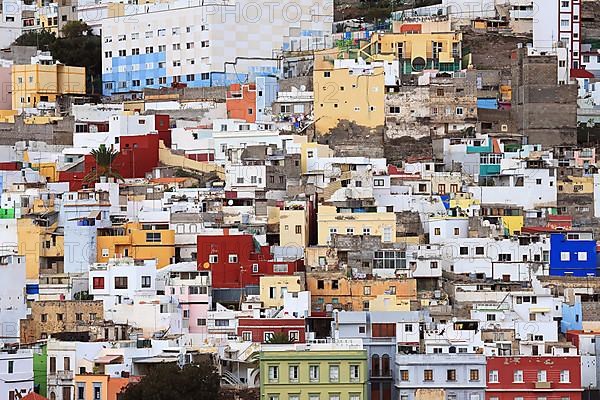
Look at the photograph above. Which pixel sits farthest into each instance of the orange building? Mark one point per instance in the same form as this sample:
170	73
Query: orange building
241	102
100	386
330	290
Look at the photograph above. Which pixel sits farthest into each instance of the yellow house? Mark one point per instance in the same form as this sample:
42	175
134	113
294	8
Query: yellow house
137	240
36	83
293	226
576	185
42	247
272	289
389	302
331	222
416	51
344	94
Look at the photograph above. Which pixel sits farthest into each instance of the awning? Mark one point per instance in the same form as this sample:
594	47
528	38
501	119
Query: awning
539	310
94	214
107	359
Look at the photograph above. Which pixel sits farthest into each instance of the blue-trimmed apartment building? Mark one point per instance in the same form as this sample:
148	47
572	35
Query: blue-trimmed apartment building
201	45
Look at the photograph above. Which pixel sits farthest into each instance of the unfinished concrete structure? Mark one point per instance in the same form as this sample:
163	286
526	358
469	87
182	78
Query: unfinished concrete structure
544	111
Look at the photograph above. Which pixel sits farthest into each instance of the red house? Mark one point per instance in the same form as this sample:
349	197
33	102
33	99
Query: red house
533	377
261	329
138	155
238	261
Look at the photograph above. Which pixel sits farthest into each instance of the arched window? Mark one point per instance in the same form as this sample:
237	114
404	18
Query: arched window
375	365
452	349
52	396
385	365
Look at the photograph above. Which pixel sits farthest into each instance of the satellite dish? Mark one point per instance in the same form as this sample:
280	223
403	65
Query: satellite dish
230	202
303	87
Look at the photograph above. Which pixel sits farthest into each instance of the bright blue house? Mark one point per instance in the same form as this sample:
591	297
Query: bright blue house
572	254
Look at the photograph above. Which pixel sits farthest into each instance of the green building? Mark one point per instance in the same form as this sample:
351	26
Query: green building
40	374
313	372
7	213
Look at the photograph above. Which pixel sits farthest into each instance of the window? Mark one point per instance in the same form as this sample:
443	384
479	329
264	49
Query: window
189	45
146	281
493	376
122	53
97	391
541	376
233	259
298	229
78	316
479	251
437	231
504	257
394	110
457	232
335	284
120	282
213	258
464	251
204	43
11	366
66	363
428	375
564	376
334	373
474	375
52	365
518	376
280	268
98	282
202	322
451	375
565	256
366	231
404	375
153	237
582	256
149	50
378	182
354	373
293	373
313	373
491	317
273	373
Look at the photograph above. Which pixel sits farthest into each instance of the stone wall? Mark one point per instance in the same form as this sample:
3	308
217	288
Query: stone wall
57	133
48	317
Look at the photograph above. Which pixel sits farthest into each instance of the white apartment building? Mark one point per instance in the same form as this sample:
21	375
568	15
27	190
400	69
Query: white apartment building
16	373
120	281
207	44
13	306
557	23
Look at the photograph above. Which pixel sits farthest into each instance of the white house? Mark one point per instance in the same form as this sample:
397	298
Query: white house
16	373
121	281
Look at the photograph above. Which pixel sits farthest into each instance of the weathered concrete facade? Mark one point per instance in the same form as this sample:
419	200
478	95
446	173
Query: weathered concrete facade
54	316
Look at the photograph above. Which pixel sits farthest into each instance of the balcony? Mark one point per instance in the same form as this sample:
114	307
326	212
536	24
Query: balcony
543	385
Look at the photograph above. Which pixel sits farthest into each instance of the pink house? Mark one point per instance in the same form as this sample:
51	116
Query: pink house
192	288
585	157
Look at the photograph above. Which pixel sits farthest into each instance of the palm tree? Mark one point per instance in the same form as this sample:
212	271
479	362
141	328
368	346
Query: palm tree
104	158
279	338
